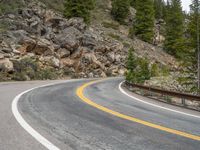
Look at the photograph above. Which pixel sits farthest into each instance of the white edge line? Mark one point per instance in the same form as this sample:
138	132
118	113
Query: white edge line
26	126
154	105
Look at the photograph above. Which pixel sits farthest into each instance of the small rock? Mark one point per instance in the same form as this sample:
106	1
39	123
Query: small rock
1	56
7	50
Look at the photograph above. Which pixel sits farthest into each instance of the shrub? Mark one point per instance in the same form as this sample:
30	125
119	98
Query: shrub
29	69
111	25
78	8
138	68
120	10
114	36
154	70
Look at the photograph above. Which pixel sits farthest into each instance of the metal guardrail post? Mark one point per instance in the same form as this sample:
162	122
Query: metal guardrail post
183	102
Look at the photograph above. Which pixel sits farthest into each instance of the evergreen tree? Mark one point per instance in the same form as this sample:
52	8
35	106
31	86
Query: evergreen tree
192	27
120	10
190	56
131	65
131	61
79	8
132	3
144	21
159	6
137	68
166	8
143	72
174	42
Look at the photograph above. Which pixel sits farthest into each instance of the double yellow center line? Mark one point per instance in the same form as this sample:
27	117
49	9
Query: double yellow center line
80	94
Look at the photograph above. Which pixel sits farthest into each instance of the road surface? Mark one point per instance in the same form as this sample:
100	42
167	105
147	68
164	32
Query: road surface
96	116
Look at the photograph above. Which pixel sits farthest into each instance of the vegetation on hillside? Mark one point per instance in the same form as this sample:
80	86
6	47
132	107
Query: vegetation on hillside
79	8
29	69
144	22
138	68
174	42
120	10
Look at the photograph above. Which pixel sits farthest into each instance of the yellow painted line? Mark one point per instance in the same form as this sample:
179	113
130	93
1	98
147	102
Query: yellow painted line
80	94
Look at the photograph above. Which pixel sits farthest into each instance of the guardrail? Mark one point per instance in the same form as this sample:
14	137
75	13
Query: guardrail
182	96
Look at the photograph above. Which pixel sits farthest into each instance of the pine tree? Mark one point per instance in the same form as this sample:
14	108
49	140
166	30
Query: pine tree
79	8
132	3
192	27
166	8
131	60
120	10
190	56
159	6
137	68
144	21
143	73
174	42
131	65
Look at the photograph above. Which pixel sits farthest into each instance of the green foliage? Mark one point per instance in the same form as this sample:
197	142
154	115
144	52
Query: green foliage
191	53
133	3
29	69
3	76
143	72
144	21
112	25
79	8
154	70
120	10
165	71
126	44
159	7
131	63
47	73
114	36
138	68
174	42
3	26
10	6
54	4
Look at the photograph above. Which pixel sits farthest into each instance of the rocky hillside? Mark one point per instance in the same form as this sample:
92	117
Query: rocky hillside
35	39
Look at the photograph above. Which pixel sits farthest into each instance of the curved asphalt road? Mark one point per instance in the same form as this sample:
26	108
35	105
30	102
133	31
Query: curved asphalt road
58	114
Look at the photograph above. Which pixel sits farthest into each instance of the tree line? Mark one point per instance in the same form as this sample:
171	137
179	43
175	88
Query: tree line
177	30
180	28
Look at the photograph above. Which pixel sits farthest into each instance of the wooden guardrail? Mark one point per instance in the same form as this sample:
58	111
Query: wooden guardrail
165	92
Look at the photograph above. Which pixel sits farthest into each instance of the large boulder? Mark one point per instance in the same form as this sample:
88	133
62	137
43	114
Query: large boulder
69	39
91	38
37	46
90	58
6	65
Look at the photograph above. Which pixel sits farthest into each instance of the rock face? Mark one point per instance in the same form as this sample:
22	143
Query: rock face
65	44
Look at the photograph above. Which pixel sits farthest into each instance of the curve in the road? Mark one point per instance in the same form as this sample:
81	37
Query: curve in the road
26	126
80	94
